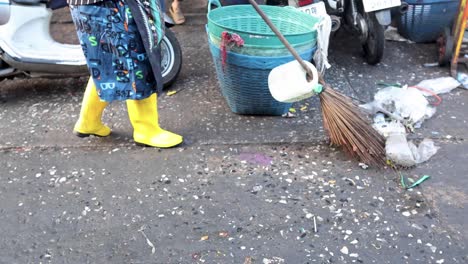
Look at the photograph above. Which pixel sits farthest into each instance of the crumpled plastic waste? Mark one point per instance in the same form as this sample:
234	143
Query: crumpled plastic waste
396	110
391	33
399	151
425	151
385	128
463	79
407	103
407	154
439	85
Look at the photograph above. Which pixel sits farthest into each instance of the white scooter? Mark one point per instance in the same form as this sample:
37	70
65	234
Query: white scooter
28	50
365	18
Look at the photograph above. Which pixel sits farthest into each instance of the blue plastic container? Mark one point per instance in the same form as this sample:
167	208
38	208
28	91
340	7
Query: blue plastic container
426	19
244	81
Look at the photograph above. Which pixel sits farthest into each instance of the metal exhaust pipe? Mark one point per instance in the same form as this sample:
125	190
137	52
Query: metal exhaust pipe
398	11
403	8
336	23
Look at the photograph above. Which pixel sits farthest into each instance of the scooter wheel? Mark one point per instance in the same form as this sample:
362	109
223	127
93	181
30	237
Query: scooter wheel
375	43
171	58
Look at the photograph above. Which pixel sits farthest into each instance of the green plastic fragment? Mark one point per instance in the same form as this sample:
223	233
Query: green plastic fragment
419	181
318	88
389	84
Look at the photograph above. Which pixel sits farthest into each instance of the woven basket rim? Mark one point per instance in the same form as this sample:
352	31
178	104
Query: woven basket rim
225	9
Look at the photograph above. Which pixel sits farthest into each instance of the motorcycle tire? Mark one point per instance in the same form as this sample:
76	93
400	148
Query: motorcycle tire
171	58
375	43
445	47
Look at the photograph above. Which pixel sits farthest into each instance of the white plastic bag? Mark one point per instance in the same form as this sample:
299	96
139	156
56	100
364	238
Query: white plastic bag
439	85
408	103
426	150
399	151
407	154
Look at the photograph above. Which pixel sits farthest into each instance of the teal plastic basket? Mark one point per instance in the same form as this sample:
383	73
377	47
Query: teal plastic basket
297	27
272	51
243	81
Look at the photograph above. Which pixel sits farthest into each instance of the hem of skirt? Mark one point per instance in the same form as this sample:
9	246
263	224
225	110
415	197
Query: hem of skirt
125	99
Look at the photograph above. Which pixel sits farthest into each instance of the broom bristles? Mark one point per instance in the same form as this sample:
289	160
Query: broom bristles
348	128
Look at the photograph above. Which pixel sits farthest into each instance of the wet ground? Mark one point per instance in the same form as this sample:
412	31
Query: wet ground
242	189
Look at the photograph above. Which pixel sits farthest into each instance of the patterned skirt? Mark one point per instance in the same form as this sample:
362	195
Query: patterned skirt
114	50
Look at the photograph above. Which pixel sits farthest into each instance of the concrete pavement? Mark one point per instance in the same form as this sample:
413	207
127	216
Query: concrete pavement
242	189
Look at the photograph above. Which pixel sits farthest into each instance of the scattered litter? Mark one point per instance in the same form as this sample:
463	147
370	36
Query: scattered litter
407	104
399	151
196	256
430	65
391	33
419	181
363	166
303	233
257	188
292	110
274	260
433	248
153	249
426	150
315	225
171	93
204	238
405	153
463	79
223	234
439	85
344	250
398	110
289	115
351	181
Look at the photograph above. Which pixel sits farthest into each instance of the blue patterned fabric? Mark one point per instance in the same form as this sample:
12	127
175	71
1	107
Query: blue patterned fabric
115	52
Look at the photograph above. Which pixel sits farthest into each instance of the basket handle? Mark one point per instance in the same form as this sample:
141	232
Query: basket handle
213	2
283	40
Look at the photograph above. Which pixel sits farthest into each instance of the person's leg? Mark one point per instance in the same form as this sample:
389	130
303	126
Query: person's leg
176	12
143	115
89	122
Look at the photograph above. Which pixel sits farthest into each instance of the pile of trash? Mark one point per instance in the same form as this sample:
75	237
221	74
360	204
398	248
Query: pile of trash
399	110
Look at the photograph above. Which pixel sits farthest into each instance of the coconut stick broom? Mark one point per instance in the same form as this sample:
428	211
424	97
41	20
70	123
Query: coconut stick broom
345	124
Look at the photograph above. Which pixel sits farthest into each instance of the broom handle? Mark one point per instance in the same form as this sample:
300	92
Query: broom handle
283	39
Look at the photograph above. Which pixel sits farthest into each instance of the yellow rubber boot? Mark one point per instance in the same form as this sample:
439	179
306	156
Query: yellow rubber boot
92	107
143	115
